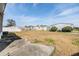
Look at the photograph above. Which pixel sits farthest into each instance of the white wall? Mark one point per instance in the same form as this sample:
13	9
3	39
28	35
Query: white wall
40	28
12	29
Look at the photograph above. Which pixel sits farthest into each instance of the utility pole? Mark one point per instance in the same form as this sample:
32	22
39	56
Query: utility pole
2	8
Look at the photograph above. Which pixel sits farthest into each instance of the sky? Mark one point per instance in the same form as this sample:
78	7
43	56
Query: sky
42	13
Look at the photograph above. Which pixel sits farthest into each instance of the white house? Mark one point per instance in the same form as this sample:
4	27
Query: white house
12	29
37	27
62	25
30	27
40	27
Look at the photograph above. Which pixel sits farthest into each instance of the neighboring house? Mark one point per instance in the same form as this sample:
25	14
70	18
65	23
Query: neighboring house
12	29
30	27
45	27
38	27
62	25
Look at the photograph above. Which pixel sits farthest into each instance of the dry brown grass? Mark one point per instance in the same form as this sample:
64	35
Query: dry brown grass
63	41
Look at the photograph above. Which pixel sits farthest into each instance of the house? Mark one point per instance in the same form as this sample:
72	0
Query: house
37	27
40	27
12	29
62	25
30	27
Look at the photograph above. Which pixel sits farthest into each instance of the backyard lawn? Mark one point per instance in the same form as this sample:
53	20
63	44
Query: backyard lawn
65	43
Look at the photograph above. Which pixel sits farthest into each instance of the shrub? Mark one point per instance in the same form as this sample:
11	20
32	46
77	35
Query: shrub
5	33
53	29
67	29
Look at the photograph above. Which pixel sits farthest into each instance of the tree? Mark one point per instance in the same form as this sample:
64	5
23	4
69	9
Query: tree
53	29
11	22
67	29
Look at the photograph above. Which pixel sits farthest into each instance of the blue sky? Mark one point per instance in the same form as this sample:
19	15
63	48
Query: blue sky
42	13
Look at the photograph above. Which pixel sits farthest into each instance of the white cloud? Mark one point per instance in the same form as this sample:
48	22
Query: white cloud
25	20
28	18
69	11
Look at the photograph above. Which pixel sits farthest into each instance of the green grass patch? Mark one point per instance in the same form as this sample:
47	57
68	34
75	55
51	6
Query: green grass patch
47	41
37	41
75	42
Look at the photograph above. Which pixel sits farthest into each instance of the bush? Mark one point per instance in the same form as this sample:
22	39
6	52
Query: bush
53	29
67	29
5	33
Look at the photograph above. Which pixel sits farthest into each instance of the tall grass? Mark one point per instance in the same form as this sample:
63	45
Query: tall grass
47	41
75	42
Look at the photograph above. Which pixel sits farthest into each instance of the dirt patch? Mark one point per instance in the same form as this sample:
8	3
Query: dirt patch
63	41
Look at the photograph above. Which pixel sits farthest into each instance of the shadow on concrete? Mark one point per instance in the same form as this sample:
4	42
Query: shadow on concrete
7	39
76	54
